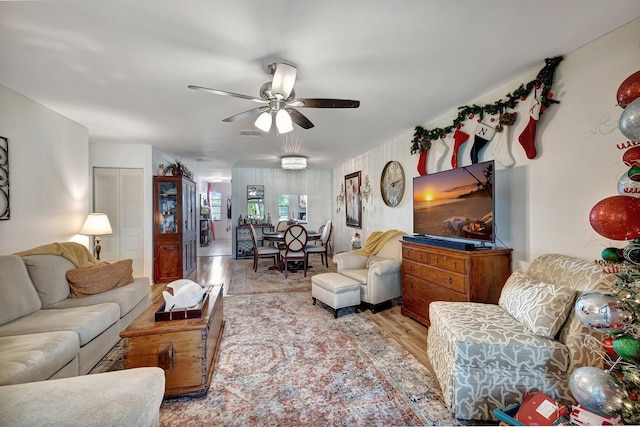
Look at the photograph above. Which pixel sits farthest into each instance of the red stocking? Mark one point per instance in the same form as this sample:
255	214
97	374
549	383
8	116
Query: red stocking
528	136
422	163
459	138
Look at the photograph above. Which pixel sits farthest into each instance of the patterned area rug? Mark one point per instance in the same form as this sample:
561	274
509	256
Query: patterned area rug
286	362
245	281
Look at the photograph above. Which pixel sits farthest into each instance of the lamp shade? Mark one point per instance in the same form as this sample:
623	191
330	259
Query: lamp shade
283	121
96	224
263	122
293	162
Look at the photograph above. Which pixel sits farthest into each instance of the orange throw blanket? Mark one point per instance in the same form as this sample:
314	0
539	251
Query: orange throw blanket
78	254
376	241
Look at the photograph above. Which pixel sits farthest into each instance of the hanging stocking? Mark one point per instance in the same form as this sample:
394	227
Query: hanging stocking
483	135
501	148
440	148
528	136
459	138
422	162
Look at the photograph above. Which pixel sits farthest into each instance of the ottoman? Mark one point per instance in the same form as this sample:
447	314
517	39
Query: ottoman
335	290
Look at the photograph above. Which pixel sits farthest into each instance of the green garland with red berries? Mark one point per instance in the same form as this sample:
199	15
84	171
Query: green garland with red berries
422	138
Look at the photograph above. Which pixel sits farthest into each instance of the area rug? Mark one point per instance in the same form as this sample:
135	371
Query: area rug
286	362
245	281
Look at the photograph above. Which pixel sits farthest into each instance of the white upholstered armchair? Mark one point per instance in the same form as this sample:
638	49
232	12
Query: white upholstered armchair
377	266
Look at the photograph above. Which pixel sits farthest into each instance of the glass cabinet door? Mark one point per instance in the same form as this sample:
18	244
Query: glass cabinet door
167	206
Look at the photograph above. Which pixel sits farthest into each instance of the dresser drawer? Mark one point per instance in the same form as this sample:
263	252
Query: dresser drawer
416	307
415	269
448	262
414	254
455	282
430	291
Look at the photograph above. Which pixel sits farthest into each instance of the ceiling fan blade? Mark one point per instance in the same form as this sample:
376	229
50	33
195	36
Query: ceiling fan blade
324	103
249	113
300	119
225	93
283	79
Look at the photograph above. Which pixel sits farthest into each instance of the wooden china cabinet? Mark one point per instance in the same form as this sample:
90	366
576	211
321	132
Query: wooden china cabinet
174	228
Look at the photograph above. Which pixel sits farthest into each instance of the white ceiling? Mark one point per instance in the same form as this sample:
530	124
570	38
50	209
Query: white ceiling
121	68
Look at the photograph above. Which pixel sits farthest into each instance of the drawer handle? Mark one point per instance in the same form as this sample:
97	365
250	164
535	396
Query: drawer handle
420	255
436	260
455	264
450	280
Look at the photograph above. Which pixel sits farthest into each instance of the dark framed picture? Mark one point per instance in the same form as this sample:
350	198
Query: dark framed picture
4	178
352	199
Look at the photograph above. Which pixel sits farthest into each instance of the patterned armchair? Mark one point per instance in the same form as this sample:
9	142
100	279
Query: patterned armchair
487	356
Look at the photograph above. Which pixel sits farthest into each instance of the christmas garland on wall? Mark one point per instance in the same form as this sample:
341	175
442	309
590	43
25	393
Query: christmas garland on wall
422	138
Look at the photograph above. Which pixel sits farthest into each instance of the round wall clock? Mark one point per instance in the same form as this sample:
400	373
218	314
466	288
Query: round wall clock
392	183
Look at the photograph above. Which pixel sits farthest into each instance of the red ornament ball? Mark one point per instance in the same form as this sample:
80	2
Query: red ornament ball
632	156
522	98
550	95
471	116
607	344
629	90
617	217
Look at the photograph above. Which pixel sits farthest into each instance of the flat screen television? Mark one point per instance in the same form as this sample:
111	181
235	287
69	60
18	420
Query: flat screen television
456	204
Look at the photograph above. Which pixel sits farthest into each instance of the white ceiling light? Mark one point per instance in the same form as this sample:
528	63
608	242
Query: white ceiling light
293	162
283	121
263	122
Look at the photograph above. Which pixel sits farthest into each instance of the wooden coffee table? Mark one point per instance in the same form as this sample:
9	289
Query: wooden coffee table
186	349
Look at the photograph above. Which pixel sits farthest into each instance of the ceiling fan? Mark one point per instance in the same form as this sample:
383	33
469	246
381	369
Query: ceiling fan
281	101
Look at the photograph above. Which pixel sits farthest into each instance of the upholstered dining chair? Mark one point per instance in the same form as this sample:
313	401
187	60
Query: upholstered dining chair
295	240
282	226
262	251
323	249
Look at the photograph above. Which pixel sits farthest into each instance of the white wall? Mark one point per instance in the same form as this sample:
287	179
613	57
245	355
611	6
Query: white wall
542	204
139	156
314	183
48	175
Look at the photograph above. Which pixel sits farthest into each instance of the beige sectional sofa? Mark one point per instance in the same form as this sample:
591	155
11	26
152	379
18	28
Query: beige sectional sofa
49	341
488	356
44	334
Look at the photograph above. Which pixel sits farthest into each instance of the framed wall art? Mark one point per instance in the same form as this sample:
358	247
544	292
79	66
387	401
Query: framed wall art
4	178
352	199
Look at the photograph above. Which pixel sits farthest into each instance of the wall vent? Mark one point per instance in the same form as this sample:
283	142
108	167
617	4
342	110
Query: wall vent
250	133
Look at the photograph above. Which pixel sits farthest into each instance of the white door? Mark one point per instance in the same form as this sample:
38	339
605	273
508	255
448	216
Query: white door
119	194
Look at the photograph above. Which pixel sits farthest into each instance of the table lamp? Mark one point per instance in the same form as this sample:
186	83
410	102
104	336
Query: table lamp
96	224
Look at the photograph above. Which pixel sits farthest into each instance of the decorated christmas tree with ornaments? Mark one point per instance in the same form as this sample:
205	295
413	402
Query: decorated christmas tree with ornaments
615	390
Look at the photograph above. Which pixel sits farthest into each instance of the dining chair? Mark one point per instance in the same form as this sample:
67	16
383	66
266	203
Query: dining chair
282	226
262	251
295	240
323	249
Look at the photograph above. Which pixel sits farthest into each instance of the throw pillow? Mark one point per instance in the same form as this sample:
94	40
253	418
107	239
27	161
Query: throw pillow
541	307
94	280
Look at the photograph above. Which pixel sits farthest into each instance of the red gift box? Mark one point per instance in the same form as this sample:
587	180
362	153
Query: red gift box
538	409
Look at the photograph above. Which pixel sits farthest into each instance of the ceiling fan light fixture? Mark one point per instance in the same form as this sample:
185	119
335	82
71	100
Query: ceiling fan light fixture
263	122
293	162
283	121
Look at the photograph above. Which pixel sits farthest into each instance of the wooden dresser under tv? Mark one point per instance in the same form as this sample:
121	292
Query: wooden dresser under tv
433	273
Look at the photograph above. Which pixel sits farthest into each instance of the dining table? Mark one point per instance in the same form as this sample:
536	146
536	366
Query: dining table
278	237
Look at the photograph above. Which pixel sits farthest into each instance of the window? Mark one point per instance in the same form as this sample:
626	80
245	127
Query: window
216	205
283	207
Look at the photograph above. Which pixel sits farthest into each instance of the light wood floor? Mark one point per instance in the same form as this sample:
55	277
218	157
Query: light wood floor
407	332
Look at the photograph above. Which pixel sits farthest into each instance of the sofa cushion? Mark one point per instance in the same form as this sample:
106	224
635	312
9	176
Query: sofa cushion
486	336
88	322
19	296
36	357
127	297
47	273
541	307
372	259
94	280
359	274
